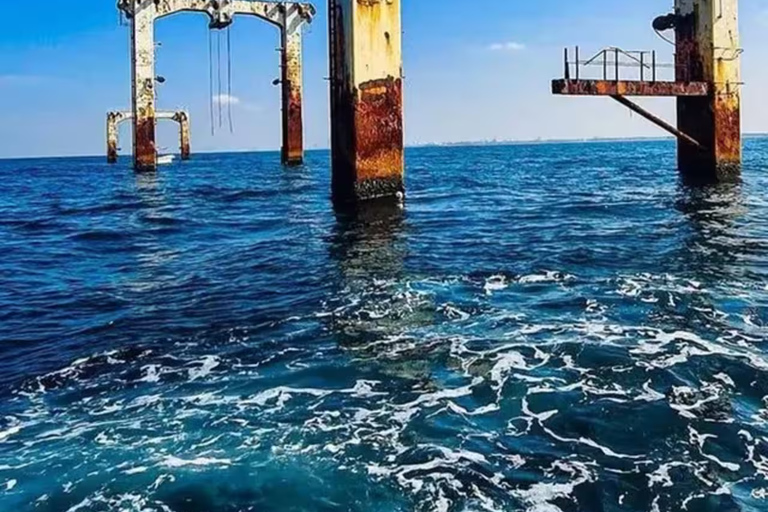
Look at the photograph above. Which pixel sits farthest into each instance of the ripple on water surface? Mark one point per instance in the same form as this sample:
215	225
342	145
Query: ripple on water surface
541	328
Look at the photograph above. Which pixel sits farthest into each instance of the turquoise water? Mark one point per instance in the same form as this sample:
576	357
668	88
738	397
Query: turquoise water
538	328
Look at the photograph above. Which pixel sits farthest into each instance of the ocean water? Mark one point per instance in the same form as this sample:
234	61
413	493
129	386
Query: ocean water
543	328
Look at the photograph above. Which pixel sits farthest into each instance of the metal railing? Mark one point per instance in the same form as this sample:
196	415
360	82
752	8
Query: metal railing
612	60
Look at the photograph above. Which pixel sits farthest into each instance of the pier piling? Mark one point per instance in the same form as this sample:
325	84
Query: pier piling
291	82
143	87
182	118
366	99
113	121
707	50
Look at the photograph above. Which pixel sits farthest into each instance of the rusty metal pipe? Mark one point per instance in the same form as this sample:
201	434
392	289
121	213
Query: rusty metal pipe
658	121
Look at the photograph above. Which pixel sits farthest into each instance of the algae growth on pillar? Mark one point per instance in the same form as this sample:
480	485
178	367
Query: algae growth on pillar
708	50
366	99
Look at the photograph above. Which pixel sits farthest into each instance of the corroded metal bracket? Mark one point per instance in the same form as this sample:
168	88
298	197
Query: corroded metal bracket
114	119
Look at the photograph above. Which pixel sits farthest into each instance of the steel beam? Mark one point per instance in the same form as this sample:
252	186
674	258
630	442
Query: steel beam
707	40
628	88
366	99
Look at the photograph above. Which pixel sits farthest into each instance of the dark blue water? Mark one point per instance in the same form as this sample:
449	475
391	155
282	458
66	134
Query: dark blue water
539	328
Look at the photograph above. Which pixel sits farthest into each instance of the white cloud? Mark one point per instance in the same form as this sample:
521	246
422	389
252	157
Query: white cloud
509	46
226	99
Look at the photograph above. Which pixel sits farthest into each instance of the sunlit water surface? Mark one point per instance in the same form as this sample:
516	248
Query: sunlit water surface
540	328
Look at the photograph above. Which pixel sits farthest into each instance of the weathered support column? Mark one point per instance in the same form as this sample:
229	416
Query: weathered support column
183	119
366	99
113	118
291	81
707	38
143	85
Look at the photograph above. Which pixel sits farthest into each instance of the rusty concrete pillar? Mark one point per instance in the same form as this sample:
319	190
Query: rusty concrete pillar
291	81
112	120
183	119
366	99
143	85
707	40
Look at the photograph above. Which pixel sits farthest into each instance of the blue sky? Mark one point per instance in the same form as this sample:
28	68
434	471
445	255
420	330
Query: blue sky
474	71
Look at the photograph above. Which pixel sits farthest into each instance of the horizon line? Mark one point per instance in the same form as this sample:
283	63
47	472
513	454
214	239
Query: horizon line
477	143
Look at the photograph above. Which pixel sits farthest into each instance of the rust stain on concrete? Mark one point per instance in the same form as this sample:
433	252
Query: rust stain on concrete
366	99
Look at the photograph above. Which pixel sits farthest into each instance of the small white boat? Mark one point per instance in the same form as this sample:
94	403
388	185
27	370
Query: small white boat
165	159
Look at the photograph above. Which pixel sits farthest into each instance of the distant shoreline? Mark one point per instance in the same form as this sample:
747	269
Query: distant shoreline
561	141
470	144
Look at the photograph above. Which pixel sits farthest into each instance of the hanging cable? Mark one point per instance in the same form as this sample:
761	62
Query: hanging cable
229	78
218	69
210	80
664	38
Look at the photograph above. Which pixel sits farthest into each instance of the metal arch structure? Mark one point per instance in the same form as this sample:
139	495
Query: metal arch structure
114	119
289	17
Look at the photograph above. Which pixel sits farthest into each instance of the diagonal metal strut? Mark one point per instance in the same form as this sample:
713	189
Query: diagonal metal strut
657	121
